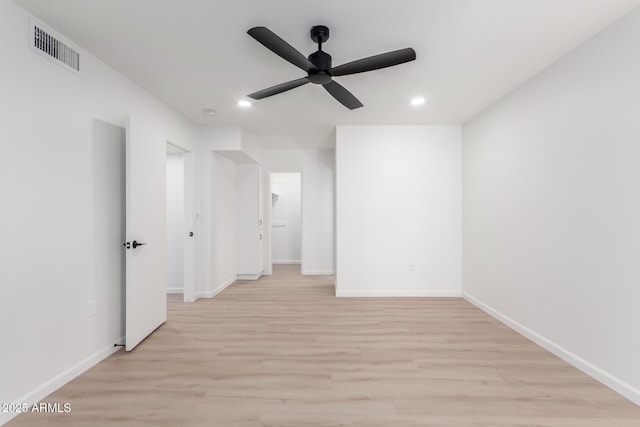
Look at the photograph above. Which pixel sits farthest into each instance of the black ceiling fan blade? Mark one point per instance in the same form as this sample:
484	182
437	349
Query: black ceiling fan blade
282	87
343	96
376	62
280	47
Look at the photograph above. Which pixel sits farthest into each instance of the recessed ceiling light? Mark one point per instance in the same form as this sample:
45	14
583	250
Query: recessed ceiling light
417	101
210	112
244	103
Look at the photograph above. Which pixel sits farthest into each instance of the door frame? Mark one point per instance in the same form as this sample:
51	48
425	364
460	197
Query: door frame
189	292
269	217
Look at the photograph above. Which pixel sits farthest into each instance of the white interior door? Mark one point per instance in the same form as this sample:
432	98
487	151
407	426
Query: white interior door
146	288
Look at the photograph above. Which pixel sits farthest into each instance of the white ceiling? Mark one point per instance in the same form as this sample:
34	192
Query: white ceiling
195	54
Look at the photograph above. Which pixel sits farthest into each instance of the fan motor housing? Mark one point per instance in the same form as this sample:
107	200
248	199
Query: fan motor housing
322	63
321	60
319	77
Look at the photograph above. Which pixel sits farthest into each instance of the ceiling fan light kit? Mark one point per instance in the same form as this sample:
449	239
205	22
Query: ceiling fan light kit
318	65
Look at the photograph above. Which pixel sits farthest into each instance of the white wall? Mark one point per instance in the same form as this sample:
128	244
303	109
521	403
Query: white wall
398	203
50	168
551	208
217	215
224	149
175	223
221	265
317	167
286	218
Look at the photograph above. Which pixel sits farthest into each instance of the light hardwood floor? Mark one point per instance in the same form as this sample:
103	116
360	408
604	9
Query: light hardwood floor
284	352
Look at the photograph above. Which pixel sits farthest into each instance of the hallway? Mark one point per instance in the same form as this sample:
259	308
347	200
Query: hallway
283	351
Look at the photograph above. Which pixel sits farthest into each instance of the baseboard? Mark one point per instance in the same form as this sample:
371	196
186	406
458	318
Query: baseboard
175	290
286	261
249	276
62	378
318	272
609	380
216	291
396	294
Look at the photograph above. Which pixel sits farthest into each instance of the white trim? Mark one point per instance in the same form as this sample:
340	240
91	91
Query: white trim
62	378
286	261
430	294
599	374
216	291
317	272
175	290
189	250
249	276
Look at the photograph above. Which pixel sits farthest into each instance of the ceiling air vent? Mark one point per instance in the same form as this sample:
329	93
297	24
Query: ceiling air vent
51	46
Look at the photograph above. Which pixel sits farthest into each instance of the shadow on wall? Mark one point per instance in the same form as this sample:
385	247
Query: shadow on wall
109	228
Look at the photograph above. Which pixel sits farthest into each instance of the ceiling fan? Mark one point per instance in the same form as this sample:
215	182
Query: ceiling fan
318	64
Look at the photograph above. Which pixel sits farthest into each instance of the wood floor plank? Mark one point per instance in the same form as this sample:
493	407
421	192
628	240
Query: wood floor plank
283	351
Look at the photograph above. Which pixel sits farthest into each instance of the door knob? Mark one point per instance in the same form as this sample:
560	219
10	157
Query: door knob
191	234
136	244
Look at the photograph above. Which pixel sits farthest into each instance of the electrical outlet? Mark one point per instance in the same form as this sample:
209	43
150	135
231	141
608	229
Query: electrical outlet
91	307
412	266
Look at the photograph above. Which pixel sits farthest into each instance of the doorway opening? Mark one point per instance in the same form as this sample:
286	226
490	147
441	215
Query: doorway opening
286	218
179	224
